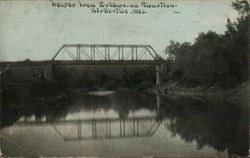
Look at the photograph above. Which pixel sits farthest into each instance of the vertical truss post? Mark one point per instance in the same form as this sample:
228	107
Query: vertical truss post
109	128
136	56
132	51
120	128
122	54
94	52
78	55
79	129
119	57
92	125
124	127
94	129
108	53
105	50
137	126
107	132
133	127
91	52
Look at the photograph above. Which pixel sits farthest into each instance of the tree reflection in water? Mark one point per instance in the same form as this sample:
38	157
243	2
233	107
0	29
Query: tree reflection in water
217	123
58	107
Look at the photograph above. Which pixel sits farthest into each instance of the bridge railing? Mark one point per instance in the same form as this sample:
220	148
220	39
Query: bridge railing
88	52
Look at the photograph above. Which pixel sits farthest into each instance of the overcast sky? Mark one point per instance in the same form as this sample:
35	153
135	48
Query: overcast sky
36	30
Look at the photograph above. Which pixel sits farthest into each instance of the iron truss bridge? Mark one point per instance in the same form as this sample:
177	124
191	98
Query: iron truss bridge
108	128
97	54
106	54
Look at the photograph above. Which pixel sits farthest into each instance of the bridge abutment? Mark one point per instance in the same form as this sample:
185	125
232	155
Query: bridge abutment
48	72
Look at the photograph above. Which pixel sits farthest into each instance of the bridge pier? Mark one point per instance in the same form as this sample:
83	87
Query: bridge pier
159	75
48	72
158	104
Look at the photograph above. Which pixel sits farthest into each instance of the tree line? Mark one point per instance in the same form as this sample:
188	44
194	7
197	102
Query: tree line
214	60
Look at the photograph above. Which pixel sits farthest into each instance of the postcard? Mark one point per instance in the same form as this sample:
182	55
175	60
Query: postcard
124	78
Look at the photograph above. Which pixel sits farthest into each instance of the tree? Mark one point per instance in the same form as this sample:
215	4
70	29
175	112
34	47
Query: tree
214	59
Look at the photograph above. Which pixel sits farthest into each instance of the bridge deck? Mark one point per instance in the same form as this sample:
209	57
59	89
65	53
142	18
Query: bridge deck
83	62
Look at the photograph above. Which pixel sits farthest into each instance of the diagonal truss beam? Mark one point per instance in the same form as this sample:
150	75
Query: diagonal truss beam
111	128
107	52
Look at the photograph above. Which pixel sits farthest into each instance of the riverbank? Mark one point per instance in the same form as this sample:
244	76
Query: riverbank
200	91
241	90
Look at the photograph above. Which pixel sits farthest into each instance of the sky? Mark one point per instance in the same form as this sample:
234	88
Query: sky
36	30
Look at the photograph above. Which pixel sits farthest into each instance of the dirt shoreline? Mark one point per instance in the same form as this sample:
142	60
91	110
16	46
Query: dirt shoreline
242	90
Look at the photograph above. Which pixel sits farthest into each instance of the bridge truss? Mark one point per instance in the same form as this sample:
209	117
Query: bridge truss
105	128
92	53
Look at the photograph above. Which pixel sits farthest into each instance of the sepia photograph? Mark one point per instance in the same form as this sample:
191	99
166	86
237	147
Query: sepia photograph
125	78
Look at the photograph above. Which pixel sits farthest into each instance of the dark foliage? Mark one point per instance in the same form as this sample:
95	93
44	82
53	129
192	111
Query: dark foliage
105	77
218	123
214	59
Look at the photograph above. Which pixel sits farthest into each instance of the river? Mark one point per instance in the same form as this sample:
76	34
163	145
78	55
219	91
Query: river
123	124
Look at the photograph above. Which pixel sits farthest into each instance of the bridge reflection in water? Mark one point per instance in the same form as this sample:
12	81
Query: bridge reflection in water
112	125
106	128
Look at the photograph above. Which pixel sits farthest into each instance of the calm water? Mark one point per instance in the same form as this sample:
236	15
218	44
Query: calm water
123	124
